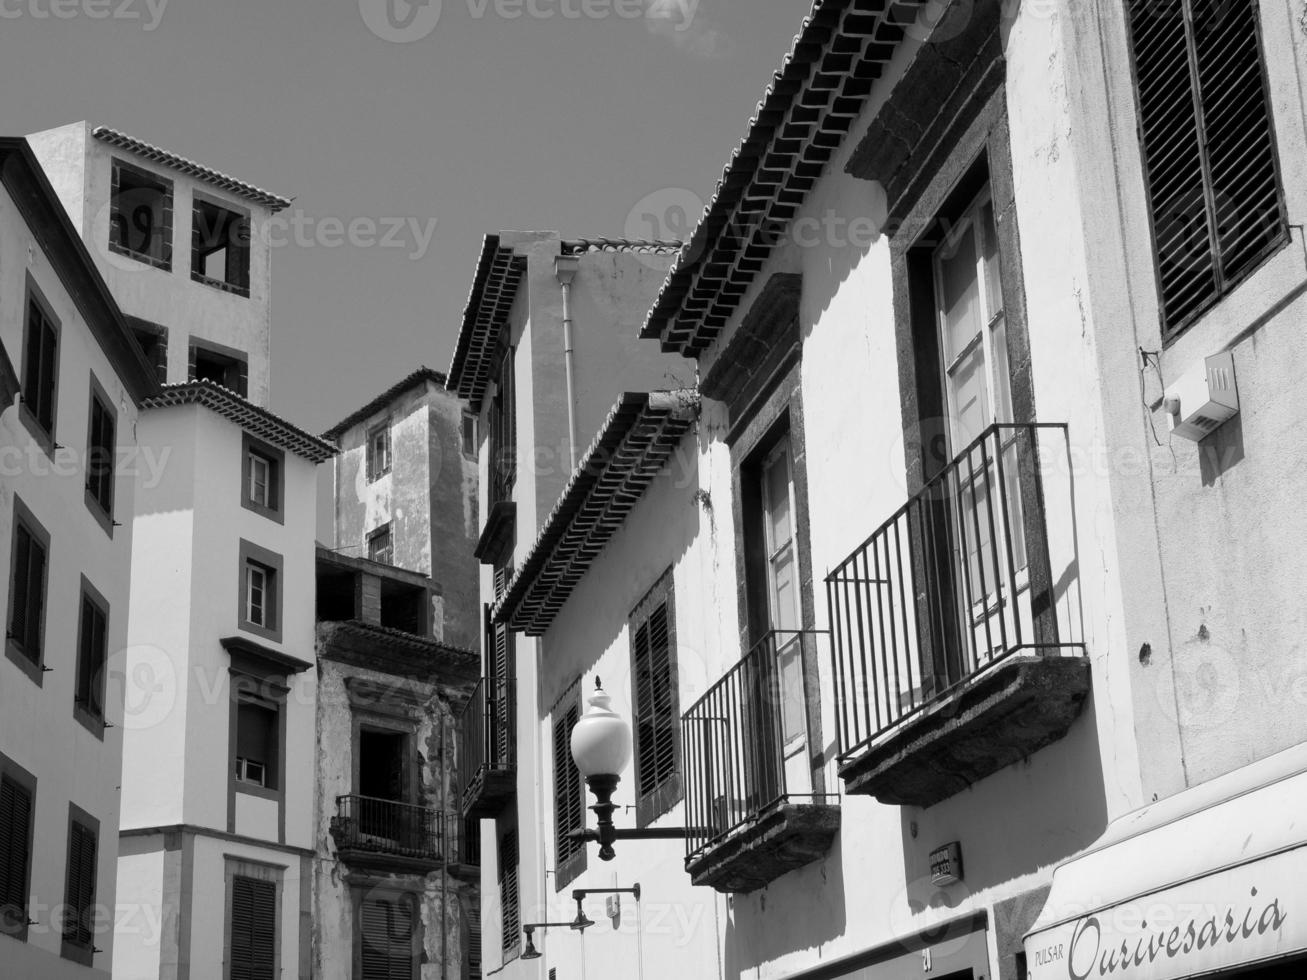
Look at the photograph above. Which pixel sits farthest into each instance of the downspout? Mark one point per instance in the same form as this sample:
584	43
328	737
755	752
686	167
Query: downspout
444	864
565	267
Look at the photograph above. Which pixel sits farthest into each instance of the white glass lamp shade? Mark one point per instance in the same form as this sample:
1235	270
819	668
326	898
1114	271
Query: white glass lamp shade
601	740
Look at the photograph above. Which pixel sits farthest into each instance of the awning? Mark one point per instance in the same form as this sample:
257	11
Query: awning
1212	879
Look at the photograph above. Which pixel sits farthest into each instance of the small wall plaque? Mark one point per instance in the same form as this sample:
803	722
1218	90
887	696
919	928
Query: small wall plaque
946	864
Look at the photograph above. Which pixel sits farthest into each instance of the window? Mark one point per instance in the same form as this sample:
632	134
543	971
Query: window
27	583
469	435
220	247
387	933
261	478
140	215
654	695
79	889
221	365
782	578
257	736
501	665
379	545
92	650
260	591
252	943
503	432
569	791
510	899
1216	206
385	769
101	446
40	367
153	340
379	451
17	804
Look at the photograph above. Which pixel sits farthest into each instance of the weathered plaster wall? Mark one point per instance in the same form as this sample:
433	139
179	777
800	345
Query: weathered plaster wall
81	169
70	763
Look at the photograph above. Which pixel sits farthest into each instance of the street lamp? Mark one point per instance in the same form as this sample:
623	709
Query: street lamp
531	953
601	748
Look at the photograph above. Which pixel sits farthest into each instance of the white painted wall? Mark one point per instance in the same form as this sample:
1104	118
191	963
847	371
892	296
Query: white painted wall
37	727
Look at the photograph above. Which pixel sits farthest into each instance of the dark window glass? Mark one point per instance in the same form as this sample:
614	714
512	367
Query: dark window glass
41	368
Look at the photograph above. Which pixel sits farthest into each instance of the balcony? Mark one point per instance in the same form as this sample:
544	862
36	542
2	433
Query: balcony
387	834
956	625
749	793
488	760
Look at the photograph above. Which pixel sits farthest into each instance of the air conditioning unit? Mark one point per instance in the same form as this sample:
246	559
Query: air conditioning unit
1203	399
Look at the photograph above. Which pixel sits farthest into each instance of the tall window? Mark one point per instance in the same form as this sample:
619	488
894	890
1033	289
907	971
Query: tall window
387	937
501	669
569	791
469	435
1216	205
227	367
503	432
27	584
17	797
510	899
380	547
257	737
100	449
79	891
260	591
379	451
140	215
654	695
252	951
40	366
92	649
220	247
261	477
258	594
782	574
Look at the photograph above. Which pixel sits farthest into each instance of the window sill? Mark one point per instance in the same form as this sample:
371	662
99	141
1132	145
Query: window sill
163	265
226	287
257	630
273	514
76	952
92	723
34	670
103	518
254	789
42	438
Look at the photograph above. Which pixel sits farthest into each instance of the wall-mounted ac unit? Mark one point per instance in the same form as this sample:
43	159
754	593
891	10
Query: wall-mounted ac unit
1205	397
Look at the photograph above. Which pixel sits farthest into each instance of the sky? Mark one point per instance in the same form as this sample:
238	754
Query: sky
405	134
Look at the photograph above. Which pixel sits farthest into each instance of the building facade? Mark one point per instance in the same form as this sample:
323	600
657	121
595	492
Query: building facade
406	494
397	879
979	567
548	340
73	384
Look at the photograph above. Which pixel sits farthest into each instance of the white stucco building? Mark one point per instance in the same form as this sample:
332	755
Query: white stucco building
73	383
947	610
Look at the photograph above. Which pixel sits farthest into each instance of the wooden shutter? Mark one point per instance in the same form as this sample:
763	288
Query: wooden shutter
569	795
100	461
253	929
39	371
28	593
90	657
656	704
472	914
509	896
387	939
502	668
80	887
15	856
1209	148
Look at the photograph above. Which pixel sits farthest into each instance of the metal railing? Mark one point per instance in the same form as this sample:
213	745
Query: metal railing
958	579
364	823
745	741
486	730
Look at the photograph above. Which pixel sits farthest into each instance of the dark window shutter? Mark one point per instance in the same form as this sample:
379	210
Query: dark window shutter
100	457
15	830
509	897
90	658
28	600
39	369
1209	148
253	929
472	912
569	797
191	352
80	888
387	939
654	674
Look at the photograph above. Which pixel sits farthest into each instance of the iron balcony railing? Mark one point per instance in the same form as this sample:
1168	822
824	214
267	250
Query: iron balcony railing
745	741
977	566
486	731
364	823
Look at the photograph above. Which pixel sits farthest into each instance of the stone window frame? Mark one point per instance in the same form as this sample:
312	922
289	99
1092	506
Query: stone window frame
82	954
103	516
93	723
366	886
242	216
274	565
275	509
239	866
34	668
44	438
166	185
11	770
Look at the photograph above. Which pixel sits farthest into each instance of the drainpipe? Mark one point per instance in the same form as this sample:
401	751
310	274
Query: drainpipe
565	267
444	816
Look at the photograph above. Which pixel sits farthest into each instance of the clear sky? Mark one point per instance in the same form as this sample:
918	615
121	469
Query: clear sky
581	116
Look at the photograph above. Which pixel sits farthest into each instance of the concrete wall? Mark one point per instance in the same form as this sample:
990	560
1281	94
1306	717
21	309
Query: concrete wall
81	168
429	498
37	728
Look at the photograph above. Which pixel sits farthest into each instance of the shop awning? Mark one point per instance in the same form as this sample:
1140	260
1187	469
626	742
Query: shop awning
1212	879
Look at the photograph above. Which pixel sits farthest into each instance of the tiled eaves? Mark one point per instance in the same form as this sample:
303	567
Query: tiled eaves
494	287
812	102
252	418
273	202
632	448
580	246
420	376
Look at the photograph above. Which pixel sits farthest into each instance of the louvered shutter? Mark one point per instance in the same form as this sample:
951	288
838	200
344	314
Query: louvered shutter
472	913
1209	148
28	593
509	896
253	929
569	798
15	826
502	671
654	676
387	939
80	885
